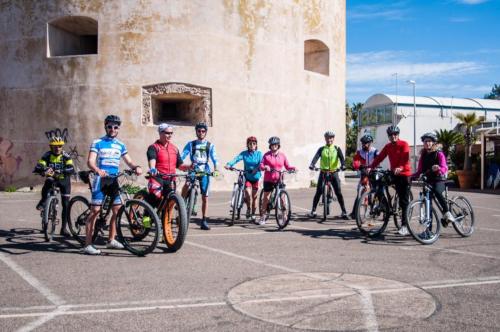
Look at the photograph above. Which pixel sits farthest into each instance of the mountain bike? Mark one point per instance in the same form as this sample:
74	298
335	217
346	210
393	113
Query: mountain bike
423	222
237	196
49	214
279	200
375	207
193	182
172	211
137	225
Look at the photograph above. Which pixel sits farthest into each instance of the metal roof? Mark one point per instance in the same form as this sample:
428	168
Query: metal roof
472	103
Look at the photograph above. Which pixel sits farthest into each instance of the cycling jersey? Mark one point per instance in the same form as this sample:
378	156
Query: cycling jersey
200	152
331	156
109	151
61	162
251	161
275	161
399	156
364	158
429	159
167	157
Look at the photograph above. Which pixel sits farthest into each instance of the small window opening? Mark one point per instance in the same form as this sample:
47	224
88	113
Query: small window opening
180	109
72	35
316	57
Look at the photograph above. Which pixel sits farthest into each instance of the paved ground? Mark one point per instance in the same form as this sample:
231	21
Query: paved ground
317	276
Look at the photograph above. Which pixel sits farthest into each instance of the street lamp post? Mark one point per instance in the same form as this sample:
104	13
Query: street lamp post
414	125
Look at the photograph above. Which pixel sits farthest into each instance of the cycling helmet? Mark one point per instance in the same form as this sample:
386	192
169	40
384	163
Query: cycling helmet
329	133
56	141
251	139
113	119
200	125
274	140
367	138
392	130
164	126
430	136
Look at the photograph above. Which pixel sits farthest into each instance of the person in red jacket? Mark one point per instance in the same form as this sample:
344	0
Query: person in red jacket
163	158
398	152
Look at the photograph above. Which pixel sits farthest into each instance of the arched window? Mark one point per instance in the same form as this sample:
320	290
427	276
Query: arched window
316	57
72	35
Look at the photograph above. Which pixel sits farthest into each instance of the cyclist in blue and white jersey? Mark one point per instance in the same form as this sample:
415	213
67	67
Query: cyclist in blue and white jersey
104	159
200	151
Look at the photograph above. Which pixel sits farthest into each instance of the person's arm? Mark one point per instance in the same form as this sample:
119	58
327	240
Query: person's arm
315	158
41	166
69	168
213	156
419	167
130	163
287	164
264	165
443	166
92	164
186	151
379	158
152	156
340	155
357	161
235	160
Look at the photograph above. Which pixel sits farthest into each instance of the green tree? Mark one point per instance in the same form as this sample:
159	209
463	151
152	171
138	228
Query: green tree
494	94
448	139
468	122
351	114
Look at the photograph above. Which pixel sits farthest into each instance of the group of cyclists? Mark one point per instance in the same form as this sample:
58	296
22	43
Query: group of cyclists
164	158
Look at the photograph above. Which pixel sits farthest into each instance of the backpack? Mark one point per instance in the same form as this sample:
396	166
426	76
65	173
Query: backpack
193	149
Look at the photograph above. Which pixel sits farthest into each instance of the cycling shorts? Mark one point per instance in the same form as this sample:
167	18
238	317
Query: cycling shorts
269	186
98	195
204	185
253	184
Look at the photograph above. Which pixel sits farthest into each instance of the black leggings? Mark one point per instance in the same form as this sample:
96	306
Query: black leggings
65	187
334	179
402	184
438	189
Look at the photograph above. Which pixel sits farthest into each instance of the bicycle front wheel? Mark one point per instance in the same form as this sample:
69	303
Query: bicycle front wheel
283	209
190	200
398	211
138	217
234	204
175	222
78	212
423	229
461	209
324	198
50	218
372	214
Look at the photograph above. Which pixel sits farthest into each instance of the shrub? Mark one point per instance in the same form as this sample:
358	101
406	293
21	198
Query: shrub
10	189
131	189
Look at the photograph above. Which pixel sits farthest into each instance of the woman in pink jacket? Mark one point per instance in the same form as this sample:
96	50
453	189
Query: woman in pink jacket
273	160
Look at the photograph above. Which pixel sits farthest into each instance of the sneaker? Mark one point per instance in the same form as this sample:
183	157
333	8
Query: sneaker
449	217
352	215
39	206
248	215
253	218
262	220
204	225
90	250
113	244
64	232
312	214
344	216
403	231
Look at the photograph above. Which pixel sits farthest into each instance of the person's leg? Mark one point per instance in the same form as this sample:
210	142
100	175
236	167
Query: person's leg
317	195
65	186
438	189
112	222
356	199
248	194
90	224
336	188
268	188
255	190
402	184
45	192
204	187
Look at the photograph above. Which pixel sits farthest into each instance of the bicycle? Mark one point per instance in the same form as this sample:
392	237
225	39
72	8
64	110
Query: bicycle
50	206
327	194
375	207
279	200
172	212
423	222
237	196
193	182
137	224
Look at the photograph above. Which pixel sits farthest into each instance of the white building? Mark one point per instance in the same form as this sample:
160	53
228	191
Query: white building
381	110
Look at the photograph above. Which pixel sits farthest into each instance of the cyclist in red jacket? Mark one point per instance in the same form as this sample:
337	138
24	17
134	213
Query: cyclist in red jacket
399	159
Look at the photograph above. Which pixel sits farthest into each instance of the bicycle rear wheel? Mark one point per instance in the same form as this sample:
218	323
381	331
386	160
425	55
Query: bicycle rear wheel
137	216
461	209
423	230
283	209
372	214
175	222
234	204
398	220
50	218
78	212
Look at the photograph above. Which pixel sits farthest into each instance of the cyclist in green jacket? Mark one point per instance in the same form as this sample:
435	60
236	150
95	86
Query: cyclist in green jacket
331	160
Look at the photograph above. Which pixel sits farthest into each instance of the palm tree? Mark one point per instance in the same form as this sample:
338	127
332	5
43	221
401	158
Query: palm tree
448	139
468	121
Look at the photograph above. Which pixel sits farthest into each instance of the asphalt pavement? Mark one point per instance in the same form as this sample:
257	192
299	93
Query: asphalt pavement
311	276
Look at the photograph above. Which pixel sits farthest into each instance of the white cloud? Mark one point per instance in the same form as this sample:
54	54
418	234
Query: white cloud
472	2
392	11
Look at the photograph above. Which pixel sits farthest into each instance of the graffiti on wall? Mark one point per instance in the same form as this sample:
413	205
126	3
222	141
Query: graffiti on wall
9	164
71	150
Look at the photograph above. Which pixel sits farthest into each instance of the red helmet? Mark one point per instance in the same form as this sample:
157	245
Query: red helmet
251	139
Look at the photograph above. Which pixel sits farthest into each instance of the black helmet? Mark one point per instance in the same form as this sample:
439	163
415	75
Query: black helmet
200	125
274	140
114	119
367	138
430	136
392	130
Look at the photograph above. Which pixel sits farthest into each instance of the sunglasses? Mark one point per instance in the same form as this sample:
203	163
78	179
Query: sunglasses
168	132
393	134
201	131
252	142
115	127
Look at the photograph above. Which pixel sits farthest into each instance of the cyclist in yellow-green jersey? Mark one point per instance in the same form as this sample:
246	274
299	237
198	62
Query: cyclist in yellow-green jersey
331	160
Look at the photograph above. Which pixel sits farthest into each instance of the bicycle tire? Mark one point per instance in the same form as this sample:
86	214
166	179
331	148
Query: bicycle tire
463	211
50	218
324	198
138	214
190	200
397	216
140	234
234	203
78	212
283	209
421	230
372	214
174	222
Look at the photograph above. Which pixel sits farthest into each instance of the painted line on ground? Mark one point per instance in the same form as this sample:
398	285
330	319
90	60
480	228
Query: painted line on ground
9	201
488	229
484	207
496	215
454	251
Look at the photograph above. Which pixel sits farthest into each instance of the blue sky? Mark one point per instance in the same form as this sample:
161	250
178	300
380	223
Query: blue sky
449	47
